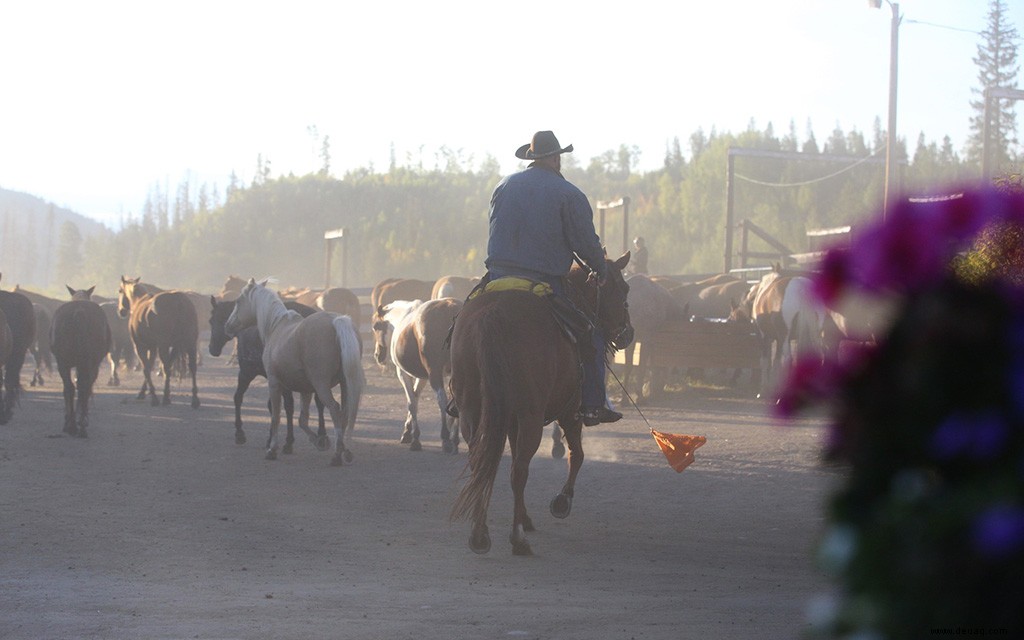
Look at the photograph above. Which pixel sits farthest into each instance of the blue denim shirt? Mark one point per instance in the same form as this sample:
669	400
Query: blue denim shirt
537	220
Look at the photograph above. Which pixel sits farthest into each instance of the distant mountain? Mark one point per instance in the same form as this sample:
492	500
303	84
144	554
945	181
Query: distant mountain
29	228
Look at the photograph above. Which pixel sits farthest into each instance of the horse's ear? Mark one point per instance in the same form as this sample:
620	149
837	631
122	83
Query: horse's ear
264	282
70	290
252	281
213	301
136	280
623	260
90	290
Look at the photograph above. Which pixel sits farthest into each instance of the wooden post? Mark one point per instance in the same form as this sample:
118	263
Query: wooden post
603	206
730	221
334	234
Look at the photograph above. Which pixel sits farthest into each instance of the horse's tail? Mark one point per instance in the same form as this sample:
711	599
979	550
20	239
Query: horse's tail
351	366
487	442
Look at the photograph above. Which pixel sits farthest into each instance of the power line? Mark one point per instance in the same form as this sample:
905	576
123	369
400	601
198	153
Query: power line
944	26
808	182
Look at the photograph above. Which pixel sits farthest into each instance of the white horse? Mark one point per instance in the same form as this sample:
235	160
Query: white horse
307	355
418	331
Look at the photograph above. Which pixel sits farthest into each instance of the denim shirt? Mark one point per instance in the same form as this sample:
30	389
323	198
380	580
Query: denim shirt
537	220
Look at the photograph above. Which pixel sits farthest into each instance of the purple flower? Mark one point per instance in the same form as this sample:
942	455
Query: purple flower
999	531
978	435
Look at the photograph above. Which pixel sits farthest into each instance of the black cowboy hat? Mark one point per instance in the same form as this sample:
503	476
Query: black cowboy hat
544	144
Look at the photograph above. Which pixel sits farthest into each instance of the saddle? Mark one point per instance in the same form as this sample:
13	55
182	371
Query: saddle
573	322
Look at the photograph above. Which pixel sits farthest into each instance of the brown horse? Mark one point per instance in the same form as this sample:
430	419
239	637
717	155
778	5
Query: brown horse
417	349
307	355
513	371
161	325
21	320
80	338
122	351
342	301
41	351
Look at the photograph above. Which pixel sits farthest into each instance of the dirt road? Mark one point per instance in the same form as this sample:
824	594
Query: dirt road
159	526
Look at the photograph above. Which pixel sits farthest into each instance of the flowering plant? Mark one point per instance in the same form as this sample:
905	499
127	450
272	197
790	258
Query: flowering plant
926	530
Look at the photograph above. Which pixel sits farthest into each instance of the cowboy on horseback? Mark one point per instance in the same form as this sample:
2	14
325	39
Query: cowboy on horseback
538	220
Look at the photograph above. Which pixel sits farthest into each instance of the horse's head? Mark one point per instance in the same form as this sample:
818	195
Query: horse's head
610	300
219	313
381	331
125	294
613	305
81	294
244	313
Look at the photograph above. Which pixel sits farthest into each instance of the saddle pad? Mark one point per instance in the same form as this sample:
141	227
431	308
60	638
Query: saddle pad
513	283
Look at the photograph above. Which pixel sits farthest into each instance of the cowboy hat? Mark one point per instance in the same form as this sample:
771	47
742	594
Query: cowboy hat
544	144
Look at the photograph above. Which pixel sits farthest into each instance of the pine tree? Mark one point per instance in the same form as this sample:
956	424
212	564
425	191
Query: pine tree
997	67
69	252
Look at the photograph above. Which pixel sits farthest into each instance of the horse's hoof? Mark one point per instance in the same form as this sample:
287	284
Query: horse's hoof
558	451
406	438
336	461
347	455
521	548
141	395
287	448
415	446
195	403
448	447
271	455
561	505
239	437
480	543
322	442
71	431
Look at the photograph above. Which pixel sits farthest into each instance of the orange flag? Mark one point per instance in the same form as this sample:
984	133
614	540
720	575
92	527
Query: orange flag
678	449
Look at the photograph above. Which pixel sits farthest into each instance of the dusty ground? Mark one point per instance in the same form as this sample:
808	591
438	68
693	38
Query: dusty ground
159	526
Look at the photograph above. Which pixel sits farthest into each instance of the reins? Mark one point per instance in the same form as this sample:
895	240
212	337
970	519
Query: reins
608	367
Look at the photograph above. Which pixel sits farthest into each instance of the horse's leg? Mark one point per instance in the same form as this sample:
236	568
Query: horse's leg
413	388
524	441
168	357
245	377
86	379
449	436
561	505
147	357
557	446
193	364
114	381
69	399
322	441
288	400
275	418
340	420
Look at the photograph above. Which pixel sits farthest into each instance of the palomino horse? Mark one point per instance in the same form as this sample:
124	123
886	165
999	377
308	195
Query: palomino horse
161	325
343	302
21	320
513	371
81	339
418	351
457	287
307	355
249	352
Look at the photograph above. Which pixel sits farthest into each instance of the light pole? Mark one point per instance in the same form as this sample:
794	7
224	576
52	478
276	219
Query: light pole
890	138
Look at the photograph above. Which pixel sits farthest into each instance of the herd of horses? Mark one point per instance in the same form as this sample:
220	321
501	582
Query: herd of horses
511	366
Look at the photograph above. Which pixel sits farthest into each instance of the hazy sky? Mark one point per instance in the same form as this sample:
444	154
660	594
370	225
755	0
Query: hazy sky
102	100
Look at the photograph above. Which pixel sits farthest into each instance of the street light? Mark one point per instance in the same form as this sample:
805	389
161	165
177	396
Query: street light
890	144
